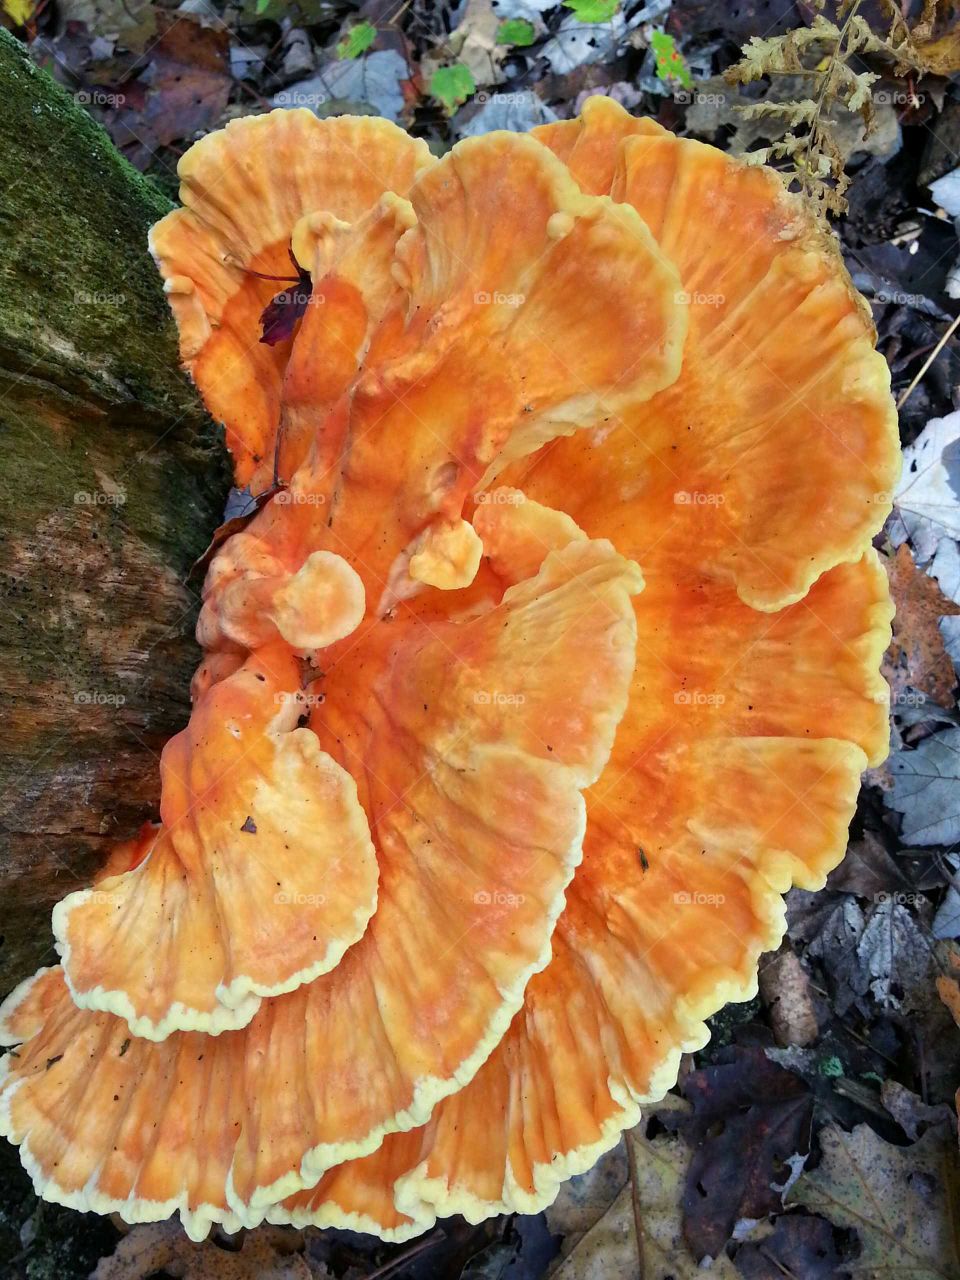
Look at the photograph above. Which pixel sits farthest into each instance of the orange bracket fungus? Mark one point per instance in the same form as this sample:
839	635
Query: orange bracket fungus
548	663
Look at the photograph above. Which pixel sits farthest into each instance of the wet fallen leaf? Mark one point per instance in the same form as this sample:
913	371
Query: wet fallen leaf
241	507
18	11
750	1126
357	40
945	567
942	56
577	43
946	923
948	982
529	9
670	63
132	23
867	869
517	112
912	1114
374	81
610	1249
881	954
516	31
797	1246
901	1201
926	789
592	11
475	43
734	22
584	1200
523	1252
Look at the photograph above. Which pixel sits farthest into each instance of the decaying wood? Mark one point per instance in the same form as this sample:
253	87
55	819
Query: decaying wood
112	481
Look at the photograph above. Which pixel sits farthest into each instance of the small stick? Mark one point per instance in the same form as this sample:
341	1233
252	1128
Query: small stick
403	1258
929	361
637	1207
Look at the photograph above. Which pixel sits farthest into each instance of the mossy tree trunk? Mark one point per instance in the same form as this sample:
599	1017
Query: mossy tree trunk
112	481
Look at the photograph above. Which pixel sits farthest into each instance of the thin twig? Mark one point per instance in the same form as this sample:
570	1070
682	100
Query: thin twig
637	1207
775	1262
929	361
403	1258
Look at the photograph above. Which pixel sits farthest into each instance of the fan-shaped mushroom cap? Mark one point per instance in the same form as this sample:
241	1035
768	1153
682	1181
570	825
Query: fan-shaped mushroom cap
591	144
360	1195
356	304
471	742
252	598
260	876
786	421
244	189
518	533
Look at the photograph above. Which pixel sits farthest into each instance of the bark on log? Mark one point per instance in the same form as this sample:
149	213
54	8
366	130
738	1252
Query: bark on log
113	479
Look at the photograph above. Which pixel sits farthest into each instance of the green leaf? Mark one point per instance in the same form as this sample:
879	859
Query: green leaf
452	86
671	64
304	13
593	10
262	10
357	40
516	31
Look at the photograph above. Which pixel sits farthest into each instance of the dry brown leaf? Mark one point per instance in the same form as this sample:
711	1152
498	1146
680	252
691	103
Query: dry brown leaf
473	44
948	984
785	990
942	55
584	1200
185	94
912	1114
917	656
269	1253
609	1250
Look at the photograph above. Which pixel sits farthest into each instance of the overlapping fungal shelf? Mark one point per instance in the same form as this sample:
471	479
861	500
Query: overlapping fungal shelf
548	664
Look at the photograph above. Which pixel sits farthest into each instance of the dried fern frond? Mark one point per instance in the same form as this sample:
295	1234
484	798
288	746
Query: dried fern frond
767	55
802	112
822	52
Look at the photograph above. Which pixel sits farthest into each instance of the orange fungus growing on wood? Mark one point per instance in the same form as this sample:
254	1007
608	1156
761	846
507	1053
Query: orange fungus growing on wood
547	664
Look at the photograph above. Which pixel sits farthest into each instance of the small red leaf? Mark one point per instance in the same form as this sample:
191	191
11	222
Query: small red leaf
280	316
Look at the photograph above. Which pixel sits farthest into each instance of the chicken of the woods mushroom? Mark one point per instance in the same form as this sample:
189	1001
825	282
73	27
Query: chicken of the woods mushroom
549	662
